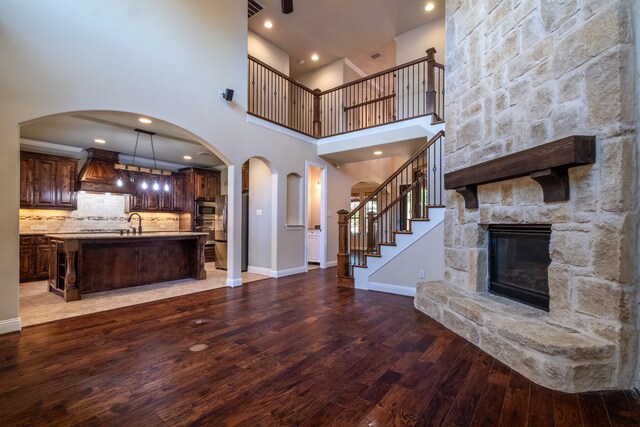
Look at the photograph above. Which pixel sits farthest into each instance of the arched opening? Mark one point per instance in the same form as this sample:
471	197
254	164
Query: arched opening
295	197
259	187
59	196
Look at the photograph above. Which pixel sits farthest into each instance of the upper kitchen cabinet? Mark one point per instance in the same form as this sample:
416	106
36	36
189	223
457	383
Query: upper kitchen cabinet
150	200
200	185
47	182
207	185
178	201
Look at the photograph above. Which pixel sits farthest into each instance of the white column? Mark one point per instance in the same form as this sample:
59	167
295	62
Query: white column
234	225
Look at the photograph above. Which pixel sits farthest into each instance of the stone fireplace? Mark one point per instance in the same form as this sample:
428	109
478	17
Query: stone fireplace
520	75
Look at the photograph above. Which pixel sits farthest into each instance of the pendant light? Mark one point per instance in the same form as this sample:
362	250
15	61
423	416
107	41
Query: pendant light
155	185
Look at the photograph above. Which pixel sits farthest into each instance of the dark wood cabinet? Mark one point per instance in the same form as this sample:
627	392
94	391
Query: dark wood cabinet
34	258
66	184
206	185
200	185
47	182
178	193
150	200
245	177
26	181
136	200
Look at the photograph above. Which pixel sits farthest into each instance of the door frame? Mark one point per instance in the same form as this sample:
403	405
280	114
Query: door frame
323	212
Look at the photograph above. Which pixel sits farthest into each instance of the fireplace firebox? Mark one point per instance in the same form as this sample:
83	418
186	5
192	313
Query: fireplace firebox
518	263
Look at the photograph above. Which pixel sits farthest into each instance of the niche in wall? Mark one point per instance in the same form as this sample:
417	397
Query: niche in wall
294	199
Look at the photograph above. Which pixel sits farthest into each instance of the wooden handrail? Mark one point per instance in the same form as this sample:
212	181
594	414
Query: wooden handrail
323	118
284	76
372	101
398	171
390	205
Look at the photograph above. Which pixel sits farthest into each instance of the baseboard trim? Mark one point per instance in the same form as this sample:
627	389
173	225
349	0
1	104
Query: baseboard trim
290	271
260	270
330	264
10	325
232	283
392	289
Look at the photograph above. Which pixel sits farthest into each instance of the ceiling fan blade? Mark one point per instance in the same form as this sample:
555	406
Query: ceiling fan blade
287	6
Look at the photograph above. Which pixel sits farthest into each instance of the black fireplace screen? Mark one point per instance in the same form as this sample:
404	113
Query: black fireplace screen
519	259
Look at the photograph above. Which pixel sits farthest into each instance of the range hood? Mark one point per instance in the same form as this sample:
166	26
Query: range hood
99	174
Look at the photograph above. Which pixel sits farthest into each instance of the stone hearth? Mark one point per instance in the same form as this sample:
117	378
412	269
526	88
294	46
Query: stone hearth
519	75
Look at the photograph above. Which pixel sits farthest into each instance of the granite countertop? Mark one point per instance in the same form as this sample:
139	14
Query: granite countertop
144	235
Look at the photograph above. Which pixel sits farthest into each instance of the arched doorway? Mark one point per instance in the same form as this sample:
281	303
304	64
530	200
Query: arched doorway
259	207
140	146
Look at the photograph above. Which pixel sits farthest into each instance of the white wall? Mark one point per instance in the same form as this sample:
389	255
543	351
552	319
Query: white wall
426	253
120	56
268	53
323	78
413	44
260	198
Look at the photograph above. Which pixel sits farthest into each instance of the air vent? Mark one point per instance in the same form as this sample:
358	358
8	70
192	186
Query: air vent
375	56
254	7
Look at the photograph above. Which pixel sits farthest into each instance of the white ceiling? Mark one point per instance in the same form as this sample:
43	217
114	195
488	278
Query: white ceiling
403	149
335	29
79	130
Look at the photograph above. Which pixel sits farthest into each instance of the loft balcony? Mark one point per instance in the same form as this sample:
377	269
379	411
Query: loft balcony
404	92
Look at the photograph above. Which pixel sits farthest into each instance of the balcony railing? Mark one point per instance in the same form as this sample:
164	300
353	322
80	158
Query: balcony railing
411	90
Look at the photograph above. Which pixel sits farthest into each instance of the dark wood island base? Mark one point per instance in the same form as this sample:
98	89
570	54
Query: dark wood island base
82	264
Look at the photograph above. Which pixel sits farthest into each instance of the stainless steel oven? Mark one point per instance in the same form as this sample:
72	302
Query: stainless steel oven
205	211
205	226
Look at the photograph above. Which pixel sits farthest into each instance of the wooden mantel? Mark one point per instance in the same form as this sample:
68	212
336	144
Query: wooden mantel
547	164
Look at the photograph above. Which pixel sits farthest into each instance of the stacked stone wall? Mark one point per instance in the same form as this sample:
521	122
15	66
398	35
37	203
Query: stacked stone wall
521	73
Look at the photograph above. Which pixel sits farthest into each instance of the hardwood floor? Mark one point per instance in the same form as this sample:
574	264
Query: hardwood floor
294	351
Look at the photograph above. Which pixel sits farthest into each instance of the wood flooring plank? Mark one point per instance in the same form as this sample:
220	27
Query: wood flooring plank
619	409
291	351
438	407
593	411
634	401
540	405
515	409
566	410
489	408
325	415
468	398
353	414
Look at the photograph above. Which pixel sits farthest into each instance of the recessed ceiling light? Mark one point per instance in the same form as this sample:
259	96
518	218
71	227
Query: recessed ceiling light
429	7
314	57
144	120
377	153
186	157
99	141
301	61
268	24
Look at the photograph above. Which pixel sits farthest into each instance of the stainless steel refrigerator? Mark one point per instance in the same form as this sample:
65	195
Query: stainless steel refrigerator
220	233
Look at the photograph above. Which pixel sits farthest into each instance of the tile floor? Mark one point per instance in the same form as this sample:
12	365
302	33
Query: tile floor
37	305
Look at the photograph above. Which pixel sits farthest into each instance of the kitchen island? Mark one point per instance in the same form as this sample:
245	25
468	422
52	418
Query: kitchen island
86	263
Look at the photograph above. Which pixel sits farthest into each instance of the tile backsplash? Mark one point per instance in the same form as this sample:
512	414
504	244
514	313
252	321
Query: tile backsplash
95	211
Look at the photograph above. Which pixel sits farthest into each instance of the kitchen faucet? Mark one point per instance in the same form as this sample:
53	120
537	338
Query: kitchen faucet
139	221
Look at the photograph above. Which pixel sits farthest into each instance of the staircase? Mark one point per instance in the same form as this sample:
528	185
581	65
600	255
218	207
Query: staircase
395	217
